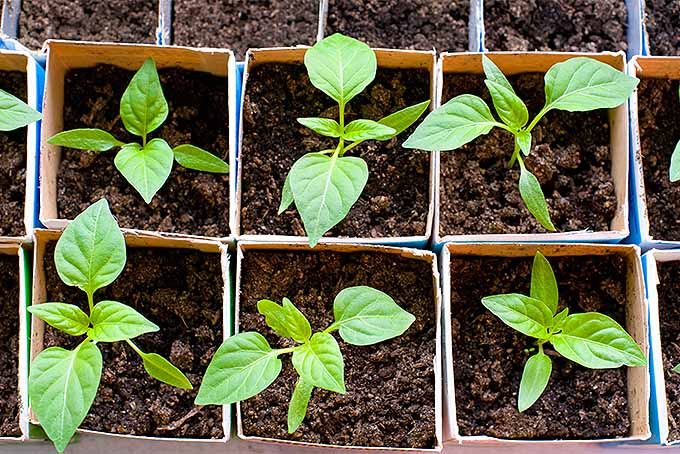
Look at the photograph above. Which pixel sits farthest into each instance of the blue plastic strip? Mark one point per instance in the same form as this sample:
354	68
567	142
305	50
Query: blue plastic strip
653	399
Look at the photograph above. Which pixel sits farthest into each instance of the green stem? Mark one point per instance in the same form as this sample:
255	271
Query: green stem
350	146
515	155
134	347
537	118
281	351
90	301
333	327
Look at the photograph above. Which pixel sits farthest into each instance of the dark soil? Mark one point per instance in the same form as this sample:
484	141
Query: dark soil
396	197
662	19
570	158
190	202
658	107
390	386
13	169
128	21
398	24
243	24
180	291
9	348
669	311
489	356
560	25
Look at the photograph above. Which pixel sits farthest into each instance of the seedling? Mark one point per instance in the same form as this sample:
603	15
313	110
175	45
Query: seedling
324	185
590	339
674	174
145	166
246	365
576	85
62	384
14	113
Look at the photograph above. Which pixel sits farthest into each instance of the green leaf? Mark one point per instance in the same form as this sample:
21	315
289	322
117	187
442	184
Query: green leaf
325	188
510	108
341	67
319	362
674	172
543	282
65	317
324	126
146	169
91	252
164	371
535	378
14	113
532	194
242	367
367	316
459	121
581	84
286	320
494	74
367	130
527	315
297	408
286	195
113	321
85	139
62	386
596	341
402	119
523	140
676	369
559	319
143	107
192	157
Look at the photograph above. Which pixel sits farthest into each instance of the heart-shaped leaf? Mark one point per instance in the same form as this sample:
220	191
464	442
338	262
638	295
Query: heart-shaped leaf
146	169
319	362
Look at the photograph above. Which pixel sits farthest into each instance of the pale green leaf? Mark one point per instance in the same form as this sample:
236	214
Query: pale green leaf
532	194
242	367
146	169
325	188
535	378
143	107
543	282
91	252
366	316
367	130
324	126
85	139
193	157
527	315
62	386
113	321
509	107
402	119
459	121
164	371
597	341
676	369
559	319
319	362
341	67
286	320
14	113
674	172
523	139
286	195
297	408
65	317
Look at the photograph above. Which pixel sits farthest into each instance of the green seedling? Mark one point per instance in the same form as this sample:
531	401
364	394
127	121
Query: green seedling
674	174
145	166
325	185
590	339
246	365
14	113
576	85
62	383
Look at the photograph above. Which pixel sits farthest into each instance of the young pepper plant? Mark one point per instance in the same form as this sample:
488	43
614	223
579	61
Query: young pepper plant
62	383
14	113
326	184
145	166
590	339
245	364
576	85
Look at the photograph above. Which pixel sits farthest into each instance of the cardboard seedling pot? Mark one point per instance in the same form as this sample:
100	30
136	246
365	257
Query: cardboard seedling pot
512	63
39	295
243	248
63	56
393	59
636	324
645	68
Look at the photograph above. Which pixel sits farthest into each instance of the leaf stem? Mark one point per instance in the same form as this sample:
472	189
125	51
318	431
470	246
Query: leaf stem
350	146
537	118
281	351
515	155
90	302
134	347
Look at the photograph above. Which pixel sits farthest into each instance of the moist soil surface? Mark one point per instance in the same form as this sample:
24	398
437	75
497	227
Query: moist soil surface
9	348
489	356
13	169
398	24
180	291
560	25
390	386
569	156
669	311
662	19
190	202
396	197
657	109
243	24
129	21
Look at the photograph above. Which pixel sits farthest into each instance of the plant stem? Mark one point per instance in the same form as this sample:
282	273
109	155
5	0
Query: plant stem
350	146
281	351
537	118
515	155
134	347
90	301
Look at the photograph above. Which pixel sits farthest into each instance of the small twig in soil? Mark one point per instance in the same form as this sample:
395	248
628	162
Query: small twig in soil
177	424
